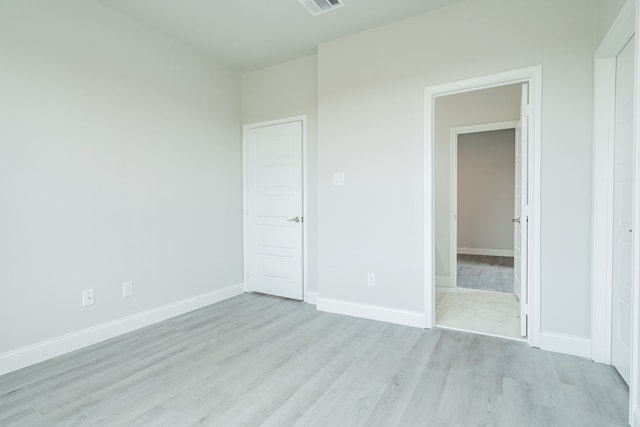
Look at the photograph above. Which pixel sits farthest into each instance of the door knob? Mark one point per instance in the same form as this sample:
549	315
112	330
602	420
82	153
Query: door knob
516	220
294	219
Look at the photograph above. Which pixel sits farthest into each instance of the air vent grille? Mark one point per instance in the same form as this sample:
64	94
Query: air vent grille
317	7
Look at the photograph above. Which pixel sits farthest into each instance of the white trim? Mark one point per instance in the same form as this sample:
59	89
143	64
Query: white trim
621	31
485	127
311	297
634	387
533	76
373	312
567	344
443	282
482	333
48	349
603	175
305	219
602	214
487	252
636	417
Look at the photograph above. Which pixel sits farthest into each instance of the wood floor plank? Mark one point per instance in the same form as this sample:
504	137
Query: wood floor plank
395	400
256	360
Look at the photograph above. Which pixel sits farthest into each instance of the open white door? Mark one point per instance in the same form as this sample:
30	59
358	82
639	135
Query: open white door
520	220
274	209
622	213
517	286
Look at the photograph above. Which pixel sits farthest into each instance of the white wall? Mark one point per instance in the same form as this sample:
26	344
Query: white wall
493	105
486	162
607	12
120	159
371	106
285	90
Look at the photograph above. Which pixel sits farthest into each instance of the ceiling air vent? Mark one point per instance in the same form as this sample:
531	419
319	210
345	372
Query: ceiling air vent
317	7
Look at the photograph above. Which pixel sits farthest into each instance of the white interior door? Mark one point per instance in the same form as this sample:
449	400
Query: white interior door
520	221
274	209
517	287
622	213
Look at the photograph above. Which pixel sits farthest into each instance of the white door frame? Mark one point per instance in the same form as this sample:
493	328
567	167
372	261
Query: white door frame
634	395
453	179
245	208
533	76
622	30
603	176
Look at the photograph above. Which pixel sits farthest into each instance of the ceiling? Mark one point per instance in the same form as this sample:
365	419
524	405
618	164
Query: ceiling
250	34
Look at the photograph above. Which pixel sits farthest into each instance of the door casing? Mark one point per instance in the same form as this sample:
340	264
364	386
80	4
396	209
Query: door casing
453	180
532	76
622	30
603	175
245	210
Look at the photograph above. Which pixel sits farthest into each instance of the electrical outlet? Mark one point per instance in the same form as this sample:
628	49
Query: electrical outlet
371	279
338	178
127	289
88	297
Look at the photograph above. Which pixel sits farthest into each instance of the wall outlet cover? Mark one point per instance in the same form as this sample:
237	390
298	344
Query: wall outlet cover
127	289
88	297
371	279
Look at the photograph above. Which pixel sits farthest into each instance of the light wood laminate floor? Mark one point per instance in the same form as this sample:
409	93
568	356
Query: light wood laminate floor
257	360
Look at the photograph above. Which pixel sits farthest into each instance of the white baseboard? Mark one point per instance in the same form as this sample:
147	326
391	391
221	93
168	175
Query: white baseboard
48	349
567	344
487	252
373	312
443	281
311	297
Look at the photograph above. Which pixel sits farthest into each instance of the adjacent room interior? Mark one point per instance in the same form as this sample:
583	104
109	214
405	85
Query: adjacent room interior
319	212
476	211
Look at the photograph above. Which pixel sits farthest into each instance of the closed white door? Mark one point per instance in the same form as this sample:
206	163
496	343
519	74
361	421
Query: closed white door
274	209
520	221
622	212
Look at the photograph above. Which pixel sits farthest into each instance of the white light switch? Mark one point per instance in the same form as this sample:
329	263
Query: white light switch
338	179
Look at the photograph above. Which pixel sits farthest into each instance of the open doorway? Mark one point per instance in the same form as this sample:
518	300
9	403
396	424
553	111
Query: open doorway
482	295
483	261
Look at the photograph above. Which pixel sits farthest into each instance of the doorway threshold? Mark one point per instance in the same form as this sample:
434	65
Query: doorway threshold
451	328
479	311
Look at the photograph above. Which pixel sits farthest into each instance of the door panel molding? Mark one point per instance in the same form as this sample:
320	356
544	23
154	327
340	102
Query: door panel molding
533	76
307	297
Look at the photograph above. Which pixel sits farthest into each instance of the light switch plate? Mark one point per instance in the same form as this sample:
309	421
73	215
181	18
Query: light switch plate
338	179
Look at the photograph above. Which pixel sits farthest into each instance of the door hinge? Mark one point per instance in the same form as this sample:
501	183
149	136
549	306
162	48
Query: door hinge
524	309
525	110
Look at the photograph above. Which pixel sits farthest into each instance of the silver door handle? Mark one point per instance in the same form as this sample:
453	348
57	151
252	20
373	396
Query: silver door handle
294	219
516	220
